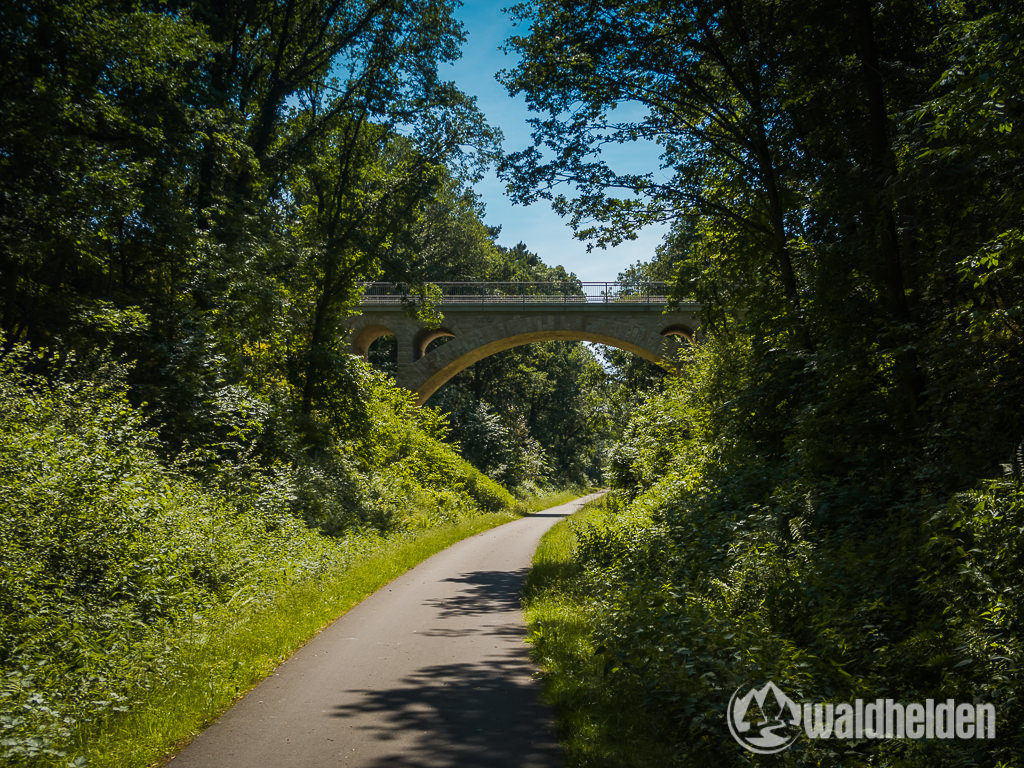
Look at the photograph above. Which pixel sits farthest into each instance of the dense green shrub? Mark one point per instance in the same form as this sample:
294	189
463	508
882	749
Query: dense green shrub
744	550
108	553
104	549
923	605
733	561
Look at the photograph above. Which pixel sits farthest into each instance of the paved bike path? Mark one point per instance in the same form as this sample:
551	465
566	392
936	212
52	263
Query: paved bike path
431	671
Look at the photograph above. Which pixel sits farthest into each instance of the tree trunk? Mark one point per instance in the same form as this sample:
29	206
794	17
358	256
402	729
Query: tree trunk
909	378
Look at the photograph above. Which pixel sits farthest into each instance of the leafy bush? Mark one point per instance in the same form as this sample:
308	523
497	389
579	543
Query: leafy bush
103	550
733	560
108	552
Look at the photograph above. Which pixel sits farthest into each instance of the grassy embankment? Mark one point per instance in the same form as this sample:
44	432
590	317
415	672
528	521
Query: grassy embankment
559	610
239	648
581	605
138	598
533	504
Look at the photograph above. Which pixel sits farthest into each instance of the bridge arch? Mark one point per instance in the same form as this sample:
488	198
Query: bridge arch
365	335
476	332
426	337
453	358
678	330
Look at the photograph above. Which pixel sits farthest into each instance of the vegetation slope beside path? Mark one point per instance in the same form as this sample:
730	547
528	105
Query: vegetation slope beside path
430	671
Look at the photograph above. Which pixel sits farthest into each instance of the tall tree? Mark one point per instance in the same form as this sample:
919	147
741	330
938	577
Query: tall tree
153	157
701	80
807	175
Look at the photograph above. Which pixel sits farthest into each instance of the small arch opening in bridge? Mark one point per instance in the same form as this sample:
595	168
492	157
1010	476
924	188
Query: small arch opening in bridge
429	339
366	336
681	332
383	354
379	347
677	339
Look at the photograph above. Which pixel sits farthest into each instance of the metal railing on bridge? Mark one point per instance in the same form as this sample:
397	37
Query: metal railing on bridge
472	293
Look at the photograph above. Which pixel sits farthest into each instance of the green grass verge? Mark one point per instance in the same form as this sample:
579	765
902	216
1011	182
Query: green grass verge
560	613
541	501
236	649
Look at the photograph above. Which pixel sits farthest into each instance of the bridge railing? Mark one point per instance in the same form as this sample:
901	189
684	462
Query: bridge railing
567	292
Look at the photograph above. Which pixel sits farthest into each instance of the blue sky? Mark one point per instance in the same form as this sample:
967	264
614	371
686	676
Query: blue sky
544	232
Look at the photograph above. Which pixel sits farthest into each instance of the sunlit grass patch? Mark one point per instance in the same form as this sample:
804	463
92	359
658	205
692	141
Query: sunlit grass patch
560	612
231	652
550	499
228	654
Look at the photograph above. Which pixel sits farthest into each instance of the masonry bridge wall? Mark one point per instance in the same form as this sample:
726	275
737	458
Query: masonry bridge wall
477	332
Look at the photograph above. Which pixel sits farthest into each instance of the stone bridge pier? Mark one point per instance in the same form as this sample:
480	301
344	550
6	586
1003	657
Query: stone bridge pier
477	331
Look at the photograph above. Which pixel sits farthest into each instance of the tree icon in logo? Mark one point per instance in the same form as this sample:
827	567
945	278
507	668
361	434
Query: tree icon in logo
770	726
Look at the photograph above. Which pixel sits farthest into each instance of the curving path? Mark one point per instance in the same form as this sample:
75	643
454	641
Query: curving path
431	671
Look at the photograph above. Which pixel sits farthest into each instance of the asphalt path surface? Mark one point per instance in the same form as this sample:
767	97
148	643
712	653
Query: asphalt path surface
431	671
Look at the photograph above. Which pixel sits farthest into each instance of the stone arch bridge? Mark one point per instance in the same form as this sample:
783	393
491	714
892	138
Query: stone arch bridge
481	319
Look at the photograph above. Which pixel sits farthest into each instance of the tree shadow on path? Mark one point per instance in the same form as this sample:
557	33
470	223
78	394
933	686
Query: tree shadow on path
485	592
483	714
